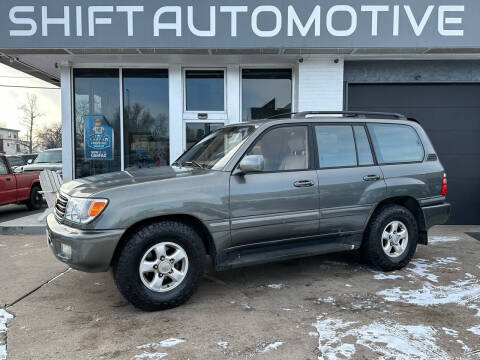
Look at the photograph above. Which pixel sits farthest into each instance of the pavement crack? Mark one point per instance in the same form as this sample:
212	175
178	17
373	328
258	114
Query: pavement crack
36	289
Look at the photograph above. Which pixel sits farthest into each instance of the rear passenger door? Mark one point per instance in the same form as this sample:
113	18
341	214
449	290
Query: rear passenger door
350	182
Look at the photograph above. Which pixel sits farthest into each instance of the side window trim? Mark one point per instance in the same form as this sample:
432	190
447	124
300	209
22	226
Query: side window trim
370	143
310	167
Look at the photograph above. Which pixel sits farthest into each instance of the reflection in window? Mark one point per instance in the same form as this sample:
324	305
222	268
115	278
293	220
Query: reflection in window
265	93
145	117
336	147
96	93
283	149
197	131
205	90
365	156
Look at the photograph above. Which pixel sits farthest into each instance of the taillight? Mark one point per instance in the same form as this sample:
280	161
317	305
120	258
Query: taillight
444	185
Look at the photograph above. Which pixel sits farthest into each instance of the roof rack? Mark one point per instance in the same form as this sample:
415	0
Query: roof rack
357	114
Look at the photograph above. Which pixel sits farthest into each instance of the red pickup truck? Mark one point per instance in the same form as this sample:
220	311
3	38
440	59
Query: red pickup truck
21	188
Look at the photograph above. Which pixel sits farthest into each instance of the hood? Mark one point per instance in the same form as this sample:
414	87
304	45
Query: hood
44	166
88	186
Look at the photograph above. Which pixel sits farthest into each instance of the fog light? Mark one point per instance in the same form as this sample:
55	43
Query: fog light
66	251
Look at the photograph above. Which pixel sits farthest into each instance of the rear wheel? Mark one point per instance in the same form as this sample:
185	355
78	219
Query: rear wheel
391	238
35	201
160	266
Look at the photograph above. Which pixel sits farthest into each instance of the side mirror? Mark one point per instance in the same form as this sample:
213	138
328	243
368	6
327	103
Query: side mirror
251	164
18	169
29	161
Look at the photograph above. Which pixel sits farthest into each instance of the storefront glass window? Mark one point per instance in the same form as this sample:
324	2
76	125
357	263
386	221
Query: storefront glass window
197	131
205	90
97	121
265	93
145	117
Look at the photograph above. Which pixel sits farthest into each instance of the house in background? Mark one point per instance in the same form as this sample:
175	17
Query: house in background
10	144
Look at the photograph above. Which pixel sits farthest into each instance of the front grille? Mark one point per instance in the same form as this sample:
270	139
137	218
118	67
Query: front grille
60	206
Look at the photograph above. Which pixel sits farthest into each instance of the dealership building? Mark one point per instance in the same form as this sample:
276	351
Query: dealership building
149	78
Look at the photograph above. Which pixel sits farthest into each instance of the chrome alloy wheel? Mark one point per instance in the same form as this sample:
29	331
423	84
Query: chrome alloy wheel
163	267
395	239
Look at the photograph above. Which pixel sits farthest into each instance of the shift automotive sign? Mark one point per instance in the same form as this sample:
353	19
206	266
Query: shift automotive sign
98	138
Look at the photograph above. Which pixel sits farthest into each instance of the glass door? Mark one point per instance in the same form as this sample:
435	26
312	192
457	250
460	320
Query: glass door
205	101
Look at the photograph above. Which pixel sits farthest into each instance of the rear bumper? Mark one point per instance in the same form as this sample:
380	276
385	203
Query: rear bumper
436	214
91	251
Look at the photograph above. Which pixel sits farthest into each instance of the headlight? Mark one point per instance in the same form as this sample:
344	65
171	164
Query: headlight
82	211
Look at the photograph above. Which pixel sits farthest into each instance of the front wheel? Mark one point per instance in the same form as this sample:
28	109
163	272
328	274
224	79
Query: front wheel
160	266
391	238
35	201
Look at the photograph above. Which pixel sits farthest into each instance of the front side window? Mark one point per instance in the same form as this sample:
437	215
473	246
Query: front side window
396	143
205	90
266	93
146	117
336	146
97	121
214	151
283	149
3	168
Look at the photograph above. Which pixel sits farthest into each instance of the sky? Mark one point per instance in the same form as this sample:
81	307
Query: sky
12	98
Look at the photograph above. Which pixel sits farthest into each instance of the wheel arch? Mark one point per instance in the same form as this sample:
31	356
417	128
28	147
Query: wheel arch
189	220
411	204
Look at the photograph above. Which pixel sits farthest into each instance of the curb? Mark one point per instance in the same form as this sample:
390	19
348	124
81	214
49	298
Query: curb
22	230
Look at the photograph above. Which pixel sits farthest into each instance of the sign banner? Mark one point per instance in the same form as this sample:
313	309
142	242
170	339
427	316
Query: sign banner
220	24
99	138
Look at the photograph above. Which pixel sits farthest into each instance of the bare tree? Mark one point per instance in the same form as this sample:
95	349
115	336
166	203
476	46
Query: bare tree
49	137
30	114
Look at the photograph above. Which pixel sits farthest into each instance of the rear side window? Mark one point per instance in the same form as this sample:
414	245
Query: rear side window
365	156
394	143
336	146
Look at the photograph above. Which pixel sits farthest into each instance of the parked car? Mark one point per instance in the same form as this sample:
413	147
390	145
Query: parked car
29	158
19	188
15	162
310	183
47	160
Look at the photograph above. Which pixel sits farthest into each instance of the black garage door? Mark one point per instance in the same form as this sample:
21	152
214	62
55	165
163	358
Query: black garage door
450	113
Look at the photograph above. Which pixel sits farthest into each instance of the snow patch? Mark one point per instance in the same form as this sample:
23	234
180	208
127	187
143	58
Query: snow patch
348	285
3	245
147	355
223	344
461	292
441	239
275	286
386	339
4	317
273	346
450	332
165	344
475	330
383	276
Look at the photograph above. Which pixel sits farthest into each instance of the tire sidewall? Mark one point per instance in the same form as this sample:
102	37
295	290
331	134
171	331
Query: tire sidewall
33	204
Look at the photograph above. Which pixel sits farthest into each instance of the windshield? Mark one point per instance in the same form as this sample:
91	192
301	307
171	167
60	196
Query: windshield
214	151
54	156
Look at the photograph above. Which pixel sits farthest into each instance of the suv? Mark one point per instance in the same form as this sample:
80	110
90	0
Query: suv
310	183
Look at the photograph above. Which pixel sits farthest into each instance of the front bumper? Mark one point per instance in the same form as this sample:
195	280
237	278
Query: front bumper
91	251
436	214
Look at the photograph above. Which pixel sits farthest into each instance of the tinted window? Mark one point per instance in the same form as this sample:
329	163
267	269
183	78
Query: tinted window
3	168
283	149
145	109
266	92
197	131
336	147
15	161
205	90
365	156
396	143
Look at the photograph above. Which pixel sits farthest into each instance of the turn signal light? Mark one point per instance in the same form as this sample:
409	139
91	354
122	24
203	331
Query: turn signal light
444	185
96	208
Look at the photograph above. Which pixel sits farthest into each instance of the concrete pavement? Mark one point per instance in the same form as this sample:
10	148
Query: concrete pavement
326	306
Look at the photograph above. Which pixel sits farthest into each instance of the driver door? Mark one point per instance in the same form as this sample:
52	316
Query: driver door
282	201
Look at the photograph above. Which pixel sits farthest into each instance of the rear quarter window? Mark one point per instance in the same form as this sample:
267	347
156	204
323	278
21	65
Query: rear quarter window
396	143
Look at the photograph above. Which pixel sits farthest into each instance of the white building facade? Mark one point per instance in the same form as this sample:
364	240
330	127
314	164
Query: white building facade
147	80
10	144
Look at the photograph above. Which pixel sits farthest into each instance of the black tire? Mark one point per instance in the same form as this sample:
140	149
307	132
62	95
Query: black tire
127	261
35	202
372	250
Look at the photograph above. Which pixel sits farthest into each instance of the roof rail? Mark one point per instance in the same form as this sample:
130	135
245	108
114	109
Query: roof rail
358	114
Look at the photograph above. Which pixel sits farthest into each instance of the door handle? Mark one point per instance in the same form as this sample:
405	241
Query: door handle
303	183
371	178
